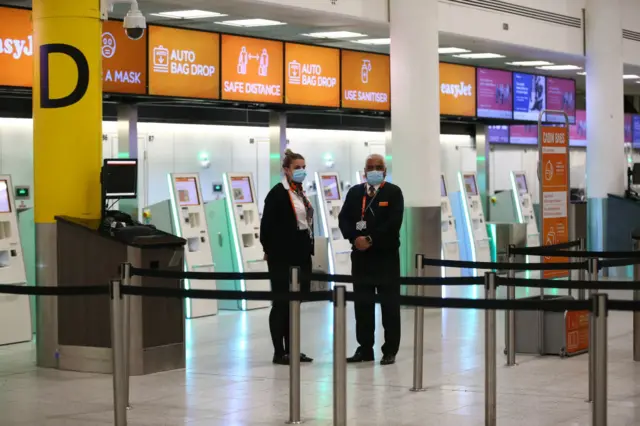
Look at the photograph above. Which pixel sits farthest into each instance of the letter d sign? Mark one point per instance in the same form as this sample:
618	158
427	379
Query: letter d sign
83	75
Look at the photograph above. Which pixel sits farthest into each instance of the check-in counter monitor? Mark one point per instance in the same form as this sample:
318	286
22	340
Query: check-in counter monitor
15	312
450	245
524	208
330	203
234	224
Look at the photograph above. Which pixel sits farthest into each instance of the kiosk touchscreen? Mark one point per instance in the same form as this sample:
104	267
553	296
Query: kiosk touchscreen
234	223
183	215
15	312
330	203
450	246
524	208
470	222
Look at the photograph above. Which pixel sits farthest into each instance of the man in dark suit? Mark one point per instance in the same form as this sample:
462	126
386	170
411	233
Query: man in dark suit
370	219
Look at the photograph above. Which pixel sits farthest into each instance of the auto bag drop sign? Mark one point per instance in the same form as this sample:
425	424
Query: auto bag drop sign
16	48
366	81
124	69
184	63
312	75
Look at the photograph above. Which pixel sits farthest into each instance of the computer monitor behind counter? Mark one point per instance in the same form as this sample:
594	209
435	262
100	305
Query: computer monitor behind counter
119	180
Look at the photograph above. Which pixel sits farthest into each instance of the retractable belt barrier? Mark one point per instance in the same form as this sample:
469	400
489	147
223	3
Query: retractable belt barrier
462	264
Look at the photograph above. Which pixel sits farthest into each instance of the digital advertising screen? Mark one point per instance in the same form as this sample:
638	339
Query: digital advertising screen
523	134
330	187
529	96
187	191
183	63
521	183
470	186
561	96
636	130
241	188
312	75
124	65
498	134
495	93
628	128
252	69
443	187
457	90
578	131
5	206
366	80
16	48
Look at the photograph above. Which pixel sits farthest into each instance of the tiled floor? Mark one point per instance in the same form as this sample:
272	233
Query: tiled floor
230	380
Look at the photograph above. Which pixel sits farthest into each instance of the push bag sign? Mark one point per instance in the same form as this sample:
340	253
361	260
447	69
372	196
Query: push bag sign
312	75
16	48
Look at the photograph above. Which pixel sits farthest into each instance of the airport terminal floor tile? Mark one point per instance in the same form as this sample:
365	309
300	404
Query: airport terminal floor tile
230	380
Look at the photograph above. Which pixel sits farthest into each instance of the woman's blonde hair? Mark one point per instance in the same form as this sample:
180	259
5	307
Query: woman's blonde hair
290	157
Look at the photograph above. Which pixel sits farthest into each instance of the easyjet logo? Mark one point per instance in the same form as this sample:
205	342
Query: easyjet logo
456	90
16	47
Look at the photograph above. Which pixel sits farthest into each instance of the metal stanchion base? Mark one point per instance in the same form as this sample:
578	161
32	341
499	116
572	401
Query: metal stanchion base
289	422
129	407
418	389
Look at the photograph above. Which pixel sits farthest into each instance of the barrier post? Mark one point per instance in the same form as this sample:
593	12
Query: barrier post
510	322
117	354
294	351
339	356
418	332
581	272
126	306
600	312
636	314
490	388
593	277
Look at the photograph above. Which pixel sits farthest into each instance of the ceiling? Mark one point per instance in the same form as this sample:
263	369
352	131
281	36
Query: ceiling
300	21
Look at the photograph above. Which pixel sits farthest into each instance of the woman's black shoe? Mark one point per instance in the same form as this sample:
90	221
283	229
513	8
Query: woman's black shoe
305	358
284	359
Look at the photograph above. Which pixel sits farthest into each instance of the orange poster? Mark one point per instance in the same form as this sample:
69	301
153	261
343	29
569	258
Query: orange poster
16	47
184	63
366	80
124	64
554	183
577	331
252	69
312	75
457	90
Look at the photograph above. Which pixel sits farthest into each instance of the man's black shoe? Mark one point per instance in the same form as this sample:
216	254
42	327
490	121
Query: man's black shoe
284	359
388	360
360	356
305	358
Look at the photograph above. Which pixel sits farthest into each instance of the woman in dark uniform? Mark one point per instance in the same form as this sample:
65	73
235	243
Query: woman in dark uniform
286	234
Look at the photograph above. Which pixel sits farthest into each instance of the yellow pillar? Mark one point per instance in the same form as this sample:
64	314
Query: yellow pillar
67	142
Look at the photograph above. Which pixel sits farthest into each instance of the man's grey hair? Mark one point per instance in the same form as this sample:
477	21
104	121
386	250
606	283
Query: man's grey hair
376	157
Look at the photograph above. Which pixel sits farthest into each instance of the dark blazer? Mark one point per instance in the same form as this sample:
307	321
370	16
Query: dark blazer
384	217
279	235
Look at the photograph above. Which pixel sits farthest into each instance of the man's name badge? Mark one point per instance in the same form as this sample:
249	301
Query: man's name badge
361	226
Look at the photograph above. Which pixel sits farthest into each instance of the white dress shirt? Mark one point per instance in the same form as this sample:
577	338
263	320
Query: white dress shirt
298	206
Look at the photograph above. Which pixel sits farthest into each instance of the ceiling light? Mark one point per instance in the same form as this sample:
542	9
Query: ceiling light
479	56
451	50
581	73
559	67
374	41
247	23
335	34
630	76
189	14
529	63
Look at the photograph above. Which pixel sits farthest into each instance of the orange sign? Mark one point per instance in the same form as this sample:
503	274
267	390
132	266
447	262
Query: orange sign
313	75
457	90
124	65
252	69
366	80
183	63
554	183
577	331
16	47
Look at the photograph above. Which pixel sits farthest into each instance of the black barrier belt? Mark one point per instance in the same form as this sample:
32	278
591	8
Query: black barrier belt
372	280
612	263
314	296
179	275
96	290
532	250
569	285
547	252
505	266
623	305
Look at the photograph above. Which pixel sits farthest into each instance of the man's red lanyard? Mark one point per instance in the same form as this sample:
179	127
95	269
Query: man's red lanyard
366	207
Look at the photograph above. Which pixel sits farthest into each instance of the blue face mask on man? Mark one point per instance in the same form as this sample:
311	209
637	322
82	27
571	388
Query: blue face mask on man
375	177
299	175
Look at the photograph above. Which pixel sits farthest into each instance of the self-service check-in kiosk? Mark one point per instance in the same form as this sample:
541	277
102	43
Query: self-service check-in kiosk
470	223
450	245
234	225
524	208
15	312
330	203
183	215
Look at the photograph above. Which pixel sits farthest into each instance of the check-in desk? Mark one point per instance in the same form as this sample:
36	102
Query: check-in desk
89	257
622	221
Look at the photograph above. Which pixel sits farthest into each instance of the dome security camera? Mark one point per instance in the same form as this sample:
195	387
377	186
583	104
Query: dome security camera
134	23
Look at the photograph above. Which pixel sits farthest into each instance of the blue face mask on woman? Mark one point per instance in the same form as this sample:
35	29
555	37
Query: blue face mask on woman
375	177
299	175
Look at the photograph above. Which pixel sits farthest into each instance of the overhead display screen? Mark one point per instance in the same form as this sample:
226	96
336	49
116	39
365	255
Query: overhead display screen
561	96
312	75
252	69
628	125
330	187
16	48
495	93
457	90
183	63
498	134
529	96
366	80
187	191
578	131
124	65
523	134
241	187
636	130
